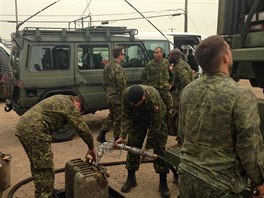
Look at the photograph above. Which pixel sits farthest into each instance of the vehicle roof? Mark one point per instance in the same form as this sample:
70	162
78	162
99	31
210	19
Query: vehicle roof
159	35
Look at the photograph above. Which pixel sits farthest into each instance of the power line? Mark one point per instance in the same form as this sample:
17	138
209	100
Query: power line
95	15
87	7
112	20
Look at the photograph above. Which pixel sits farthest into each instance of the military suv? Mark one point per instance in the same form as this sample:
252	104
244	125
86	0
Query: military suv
49	61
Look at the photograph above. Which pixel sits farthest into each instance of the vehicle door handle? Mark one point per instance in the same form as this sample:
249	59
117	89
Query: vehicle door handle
81	84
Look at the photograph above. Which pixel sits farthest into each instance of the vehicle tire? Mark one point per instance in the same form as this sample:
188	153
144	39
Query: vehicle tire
65	133
6	90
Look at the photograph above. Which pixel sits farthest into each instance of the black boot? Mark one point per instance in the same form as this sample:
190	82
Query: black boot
164	190
130	182
101	137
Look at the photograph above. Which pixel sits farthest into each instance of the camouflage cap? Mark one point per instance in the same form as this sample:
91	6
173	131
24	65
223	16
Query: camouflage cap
135	94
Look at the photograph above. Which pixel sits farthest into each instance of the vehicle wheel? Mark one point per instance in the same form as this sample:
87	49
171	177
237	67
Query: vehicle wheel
6	89
65	133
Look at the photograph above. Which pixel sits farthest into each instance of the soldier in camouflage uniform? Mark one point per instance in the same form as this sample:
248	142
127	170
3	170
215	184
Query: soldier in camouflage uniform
182	76
114	82
34	130
156	74
144	111
220	126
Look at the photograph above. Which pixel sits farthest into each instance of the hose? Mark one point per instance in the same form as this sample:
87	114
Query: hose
25	181
171	167
29	179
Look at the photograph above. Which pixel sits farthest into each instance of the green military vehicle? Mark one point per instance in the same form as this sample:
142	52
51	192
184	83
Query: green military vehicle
49	61
242	25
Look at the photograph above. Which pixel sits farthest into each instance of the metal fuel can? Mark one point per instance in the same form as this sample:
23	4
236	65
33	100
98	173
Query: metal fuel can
5	171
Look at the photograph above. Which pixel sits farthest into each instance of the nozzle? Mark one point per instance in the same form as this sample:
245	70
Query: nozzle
101	150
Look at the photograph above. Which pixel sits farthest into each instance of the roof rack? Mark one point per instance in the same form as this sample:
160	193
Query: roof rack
88	32
111	30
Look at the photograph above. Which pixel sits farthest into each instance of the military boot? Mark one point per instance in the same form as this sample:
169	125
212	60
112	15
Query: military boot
130	182
163	187
101	137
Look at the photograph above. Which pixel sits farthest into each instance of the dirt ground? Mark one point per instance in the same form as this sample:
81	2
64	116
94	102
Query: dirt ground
147	179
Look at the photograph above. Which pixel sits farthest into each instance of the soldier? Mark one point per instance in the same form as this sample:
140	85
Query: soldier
143	110
156	74
182	76
34	130
220	126
114	82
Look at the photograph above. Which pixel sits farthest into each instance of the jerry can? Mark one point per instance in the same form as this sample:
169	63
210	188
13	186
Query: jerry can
5	173
85	181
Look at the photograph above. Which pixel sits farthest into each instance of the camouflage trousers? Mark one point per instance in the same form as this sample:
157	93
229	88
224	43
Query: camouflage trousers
37	145
113	119
136	139
166	97
168	101
191	186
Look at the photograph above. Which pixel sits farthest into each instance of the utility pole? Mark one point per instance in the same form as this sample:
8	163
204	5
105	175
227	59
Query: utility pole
186	16
16	12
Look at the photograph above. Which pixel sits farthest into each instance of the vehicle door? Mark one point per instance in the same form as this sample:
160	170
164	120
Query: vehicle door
46	68
90	61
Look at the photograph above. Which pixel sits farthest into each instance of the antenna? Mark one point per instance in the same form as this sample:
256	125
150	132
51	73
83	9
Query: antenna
18	25
149	22
16	12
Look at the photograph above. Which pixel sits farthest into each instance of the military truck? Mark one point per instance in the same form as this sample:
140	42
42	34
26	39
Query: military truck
49	61
242	25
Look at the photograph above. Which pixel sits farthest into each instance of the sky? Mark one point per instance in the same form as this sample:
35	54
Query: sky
202	14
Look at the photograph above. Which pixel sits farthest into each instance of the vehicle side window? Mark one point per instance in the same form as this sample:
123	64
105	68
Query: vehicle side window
152	44
92	57
49	58
135	56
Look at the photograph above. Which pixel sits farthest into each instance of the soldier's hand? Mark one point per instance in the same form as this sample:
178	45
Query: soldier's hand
120	141
91	152
259	192
142	157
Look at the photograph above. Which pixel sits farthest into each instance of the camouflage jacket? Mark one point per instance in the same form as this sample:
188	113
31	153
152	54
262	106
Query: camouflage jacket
114	81
52	113
182	76
156	74
148	115
220	126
